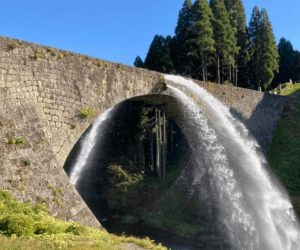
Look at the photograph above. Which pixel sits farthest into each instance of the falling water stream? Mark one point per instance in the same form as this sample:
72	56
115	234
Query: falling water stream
87	147
256	209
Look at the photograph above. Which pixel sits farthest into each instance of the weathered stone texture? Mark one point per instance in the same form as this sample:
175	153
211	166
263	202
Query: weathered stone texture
42	98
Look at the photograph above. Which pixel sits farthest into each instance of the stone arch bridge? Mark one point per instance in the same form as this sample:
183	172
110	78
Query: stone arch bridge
42	91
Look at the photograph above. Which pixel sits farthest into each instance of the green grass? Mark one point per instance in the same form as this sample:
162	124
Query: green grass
23	226
284	152
283	155
288	89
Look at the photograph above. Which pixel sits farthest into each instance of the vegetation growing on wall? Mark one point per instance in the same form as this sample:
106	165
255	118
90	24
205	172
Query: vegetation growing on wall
87	112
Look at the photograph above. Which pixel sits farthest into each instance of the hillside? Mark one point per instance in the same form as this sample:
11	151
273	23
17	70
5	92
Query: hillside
283	153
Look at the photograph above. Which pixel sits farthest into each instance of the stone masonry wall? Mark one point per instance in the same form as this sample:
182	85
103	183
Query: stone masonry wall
42	91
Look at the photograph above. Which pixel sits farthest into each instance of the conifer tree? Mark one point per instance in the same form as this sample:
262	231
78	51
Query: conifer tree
225	42
270	56
297	65
255	40
263	48
287	66
158	57
166	62
179	51
154	55
202	42
237	18
138	62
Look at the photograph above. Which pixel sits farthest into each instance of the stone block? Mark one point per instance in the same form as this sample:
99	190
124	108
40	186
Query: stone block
68	144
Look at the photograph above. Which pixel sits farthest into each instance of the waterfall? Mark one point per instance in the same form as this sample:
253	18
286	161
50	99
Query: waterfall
255	208
87	145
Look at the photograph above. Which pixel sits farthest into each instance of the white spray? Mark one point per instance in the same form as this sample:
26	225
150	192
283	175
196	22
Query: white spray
257	212
87	145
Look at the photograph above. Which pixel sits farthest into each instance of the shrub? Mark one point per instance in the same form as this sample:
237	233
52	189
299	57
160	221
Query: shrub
229	99
100	64
36	56
20	140
17	218
60	56
27	163
49	49
79	58
61	191
12	46
53	53
228	83
76	229
46	227
243	96
12	141
19	224
58	201
86	112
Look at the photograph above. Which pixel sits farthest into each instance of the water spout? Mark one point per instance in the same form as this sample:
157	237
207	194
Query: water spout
87	145
255	207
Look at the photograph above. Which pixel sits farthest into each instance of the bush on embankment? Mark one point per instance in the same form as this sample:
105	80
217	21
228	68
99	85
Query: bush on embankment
23	226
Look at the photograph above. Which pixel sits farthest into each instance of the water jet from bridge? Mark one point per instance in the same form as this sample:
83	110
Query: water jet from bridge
253	205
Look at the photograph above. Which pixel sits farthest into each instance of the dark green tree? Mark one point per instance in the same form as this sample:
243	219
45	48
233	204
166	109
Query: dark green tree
237	17
179	49
264	50
287	65
138	62
225	42
166	61
297	65
153	59
202	43
270	56
254	31
158	57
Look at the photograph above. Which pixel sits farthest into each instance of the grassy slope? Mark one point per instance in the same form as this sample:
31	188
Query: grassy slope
23	226
288	89
283	153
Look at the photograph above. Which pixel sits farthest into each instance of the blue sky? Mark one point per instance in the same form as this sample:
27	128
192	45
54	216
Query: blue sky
117	30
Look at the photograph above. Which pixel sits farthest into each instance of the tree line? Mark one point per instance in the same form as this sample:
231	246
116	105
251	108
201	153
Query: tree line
213	43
